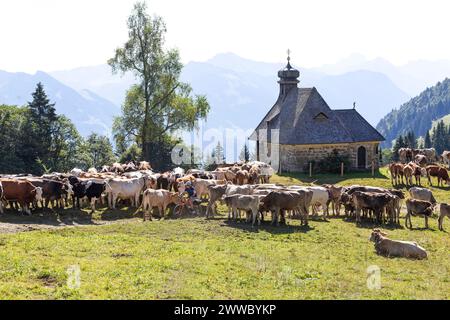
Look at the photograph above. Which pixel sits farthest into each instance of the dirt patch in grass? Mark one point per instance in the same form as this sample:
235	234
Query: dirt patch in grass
14	222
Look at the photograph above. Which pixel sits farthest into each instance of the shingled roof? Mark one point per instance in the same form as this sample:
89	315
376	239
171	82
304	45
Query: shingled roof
304	117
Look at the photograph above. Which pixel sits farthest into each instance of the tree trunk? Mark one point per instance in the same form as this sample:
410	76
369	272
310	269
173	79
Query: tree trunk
144	128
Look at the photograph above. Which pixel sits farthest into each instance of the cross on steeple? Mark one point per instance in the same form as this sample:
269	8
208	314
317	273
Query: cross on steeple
289	67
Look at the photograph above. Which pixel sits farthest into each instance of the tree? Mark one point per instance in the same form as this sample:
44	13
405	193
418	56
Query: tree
399	143
410	140
66	149
162	104
245	153
440	138
64	153
100	150
131	153
218	154
427	141
12	120
38	132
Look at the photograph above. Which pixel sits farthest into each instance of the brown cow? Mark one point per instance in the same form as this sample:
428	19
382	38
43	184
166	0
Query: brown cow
408	172
446	158
158	198
371	201
421	160
242	177
21	191
144	165
215	193
396	170
335	196
244	202
444	212
418	172
439	172
254	174
279	201
418	207
52	191
405	154
396	248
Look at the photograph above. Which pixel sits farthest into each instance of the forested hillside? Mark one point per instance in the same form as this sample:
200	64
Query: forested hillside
418	114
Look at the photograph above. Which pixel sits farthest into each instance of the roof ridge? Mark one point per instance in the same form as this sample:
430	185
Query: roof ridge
303	106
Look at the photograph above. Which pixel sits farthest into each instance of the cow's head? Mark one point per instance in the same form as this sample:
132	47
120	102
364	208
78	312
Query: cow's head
377	235
38	194
181	187
68	188
176	198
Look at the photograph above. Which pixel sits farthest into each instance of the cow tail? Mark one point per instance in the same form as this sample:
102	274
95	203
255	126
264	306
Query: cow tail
141	207
2	194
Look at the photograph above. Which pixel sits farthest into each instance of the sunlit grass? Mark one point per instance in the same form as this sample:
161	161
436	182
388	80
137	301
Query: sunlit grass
192	258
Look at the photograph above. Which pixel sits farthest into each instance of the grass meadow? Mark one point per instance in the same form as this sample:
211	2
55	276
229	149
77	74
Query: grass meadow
121	257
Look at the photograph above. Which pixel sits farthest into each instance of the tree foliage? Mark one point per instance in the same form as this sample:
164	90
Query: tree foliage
37	140
417	114
160	104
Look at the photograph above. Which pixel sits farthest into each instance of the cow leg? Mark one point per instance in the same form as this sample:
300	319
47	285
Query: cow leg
136	200
161	212
93	200
255	217
114	201
214	209
305	216
27	209
408	218
358	214
440	221
426	222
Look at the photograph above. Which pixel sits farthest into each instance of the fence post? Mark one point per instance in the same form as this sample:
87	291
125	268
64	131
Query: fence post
310	169
342	169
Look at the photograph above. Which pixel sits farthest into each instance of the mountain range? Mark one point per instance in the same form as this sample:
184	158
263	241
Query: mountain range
239	90
418	114
89	111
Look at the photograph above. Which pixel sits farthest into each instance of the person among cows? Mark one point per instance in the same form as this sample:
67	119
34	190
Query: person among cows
190	191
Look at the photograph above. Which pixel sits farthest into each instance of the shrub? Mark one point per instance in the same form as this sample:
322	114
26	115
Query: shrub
330	164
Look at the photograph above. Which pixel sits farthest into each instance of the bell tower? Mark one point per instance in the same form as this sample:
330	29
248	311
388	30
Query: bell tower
288	77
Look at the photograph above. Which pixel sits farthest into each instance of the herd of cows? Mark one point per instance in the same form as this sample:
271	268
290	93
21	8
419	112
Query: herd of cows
243	187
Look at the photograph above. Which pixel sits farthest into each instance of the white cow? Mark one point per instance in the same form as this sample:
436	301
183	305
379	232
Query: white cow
320	197
76	172
446	158
124	189
422	194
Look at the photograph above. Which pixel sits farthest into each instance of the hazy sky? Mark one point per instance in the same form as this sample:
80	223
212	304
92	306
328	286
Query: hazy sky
62	34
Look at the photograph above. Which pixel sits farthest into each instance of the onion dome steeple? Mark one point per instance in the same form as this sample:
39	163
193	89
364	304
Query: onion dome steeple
288	77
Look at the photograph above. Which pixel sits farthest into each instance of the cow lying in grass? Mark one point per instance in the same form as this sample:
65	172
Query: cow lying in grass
396	248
